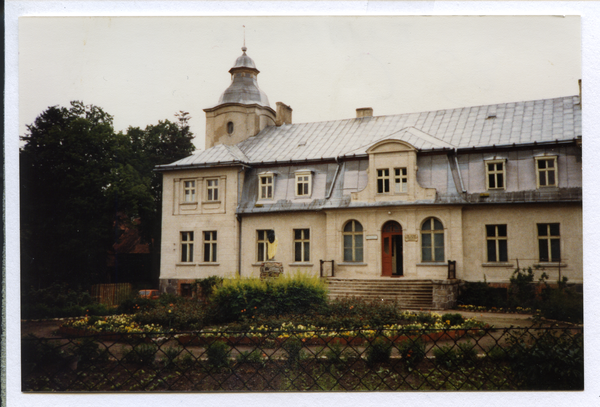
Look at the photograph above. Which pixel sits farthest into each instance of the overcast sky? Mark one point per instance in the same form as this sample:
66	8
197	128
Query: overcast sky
142	70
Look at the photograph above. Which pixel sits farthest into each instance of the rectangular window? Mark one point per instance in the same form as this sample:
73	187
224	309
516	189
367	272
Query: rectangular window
303	184
187	247
549	241
301	245
212	190
189	191
210	247
383	181
546	172
400	180
265	187
495	171
262	241
497	244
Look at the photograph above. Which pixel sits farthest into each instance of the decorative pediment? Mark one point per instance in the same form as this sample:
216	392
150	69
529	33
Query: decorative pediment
390	146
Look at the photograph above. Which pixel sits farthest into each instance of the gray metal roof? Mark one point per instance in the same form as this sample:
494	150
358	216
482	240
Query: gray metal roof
501	124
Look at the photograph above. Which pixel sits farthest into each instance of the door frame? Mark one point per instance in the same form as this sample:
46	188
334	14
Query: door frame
389	230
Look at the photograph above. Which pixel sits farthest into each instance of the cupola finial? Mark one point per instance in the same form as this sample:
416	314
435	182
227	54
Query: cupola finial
244	49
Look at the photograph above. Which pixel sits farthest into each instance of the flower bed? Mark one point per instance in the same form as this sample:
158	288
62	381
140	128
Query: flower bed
480	308
434	329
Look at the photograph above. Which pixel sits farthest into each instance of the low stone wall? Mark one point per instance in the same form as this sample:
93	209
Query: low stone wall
445	293
271	269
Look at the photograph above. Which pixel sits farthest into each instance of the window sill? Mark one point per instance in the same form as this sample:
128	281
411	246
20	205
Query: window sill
208	264
433	264
189	203
352	264
300	264
185	264
210	202
498	264
552	264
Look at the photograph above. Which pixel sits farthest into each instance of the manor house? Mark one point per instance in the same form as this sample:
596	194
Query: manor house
428	199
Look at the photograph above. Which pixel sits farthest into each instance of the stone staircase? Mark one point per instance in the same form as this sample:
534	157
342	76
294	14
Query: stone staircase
409	294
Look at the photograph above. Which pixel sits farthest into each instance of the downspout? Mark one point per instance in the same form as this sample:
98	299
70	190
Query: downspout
239	219
334	177
462	186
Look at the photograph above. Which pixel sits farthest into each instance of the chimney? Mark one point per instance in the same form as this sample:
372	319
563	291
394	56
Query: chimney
284	114
364	112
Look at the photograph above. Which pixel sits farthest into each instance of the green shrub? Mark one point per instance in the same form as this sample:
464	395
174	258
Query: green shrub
249	357
562	305
205	286
521	290
547	361
89	352
247	297
218	354
379	351
293	348
183	315
496	353
481	294
335	353
170	355
446	356
412	352
467	352
142	354
455	319
136	304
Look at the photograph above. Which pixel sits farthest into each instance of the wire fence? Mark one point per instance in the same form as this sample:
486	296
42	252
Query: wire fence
322	360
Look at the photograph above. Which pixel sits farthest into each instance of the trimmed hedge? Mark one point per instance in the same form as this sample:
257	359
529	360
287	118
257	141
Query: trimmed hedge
246	297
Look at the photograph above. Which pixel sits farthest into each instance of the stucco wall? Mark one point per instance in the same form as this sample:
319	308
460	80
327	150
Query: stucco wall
283	224
410	219
521	221
208	216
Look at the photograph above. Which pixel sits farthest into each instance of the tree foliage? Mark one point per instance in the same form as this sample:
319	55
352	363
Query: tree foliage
78	178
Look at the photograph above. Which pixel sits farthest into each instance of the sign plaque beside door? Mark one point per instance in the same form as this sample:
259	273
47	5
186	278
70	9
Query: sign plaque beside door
411	238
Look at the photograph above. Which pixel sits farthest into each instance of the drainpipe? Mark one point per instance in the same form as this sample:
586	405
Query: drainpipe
334	177
462	186
239	219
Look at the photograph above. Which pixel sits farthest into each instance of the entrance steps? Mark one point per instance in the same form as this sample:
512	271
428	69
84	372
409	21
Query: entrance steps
409	294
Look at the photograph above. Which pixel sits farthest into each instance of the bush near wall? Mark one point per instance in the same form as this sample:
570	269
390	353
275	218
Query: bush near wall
246	297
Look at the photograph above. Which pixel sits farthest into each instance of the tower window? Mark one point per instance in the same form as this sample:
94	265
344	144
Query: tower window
230	128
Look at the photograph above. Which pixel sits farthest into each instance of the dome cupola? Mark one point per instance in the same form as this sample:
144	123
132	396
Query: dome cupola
244	84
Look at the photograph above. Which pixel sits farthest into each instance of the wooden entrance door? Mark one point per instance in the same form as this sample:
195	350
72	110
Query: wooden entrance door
391	252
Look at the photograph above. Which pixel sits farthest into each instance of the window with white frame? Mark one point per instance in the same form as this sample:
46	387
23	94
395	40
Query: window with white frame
262	240
432	240
546	172
497	243
210	247
187	247
212	189
189	191
265	186
495	174
383	181
400	180
549	242
353	241
301	245
303	183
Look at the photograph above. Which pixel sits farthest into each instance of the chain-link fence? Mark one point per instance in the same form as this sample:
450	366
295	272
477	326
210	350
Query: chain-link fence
321	360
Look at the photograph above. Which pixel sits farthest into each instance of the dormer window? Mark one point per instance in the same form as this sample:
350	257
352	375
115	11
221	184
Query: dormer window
265	186
383	181
303	183
400	180
546	172
495	174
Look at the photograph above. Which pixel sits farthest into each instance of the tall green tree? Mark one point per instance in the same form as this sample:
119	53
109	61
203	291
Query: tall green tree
78	178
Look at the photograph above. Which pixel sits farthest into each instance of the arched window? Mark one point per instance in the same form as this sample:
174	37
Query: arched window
353	242
432	240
